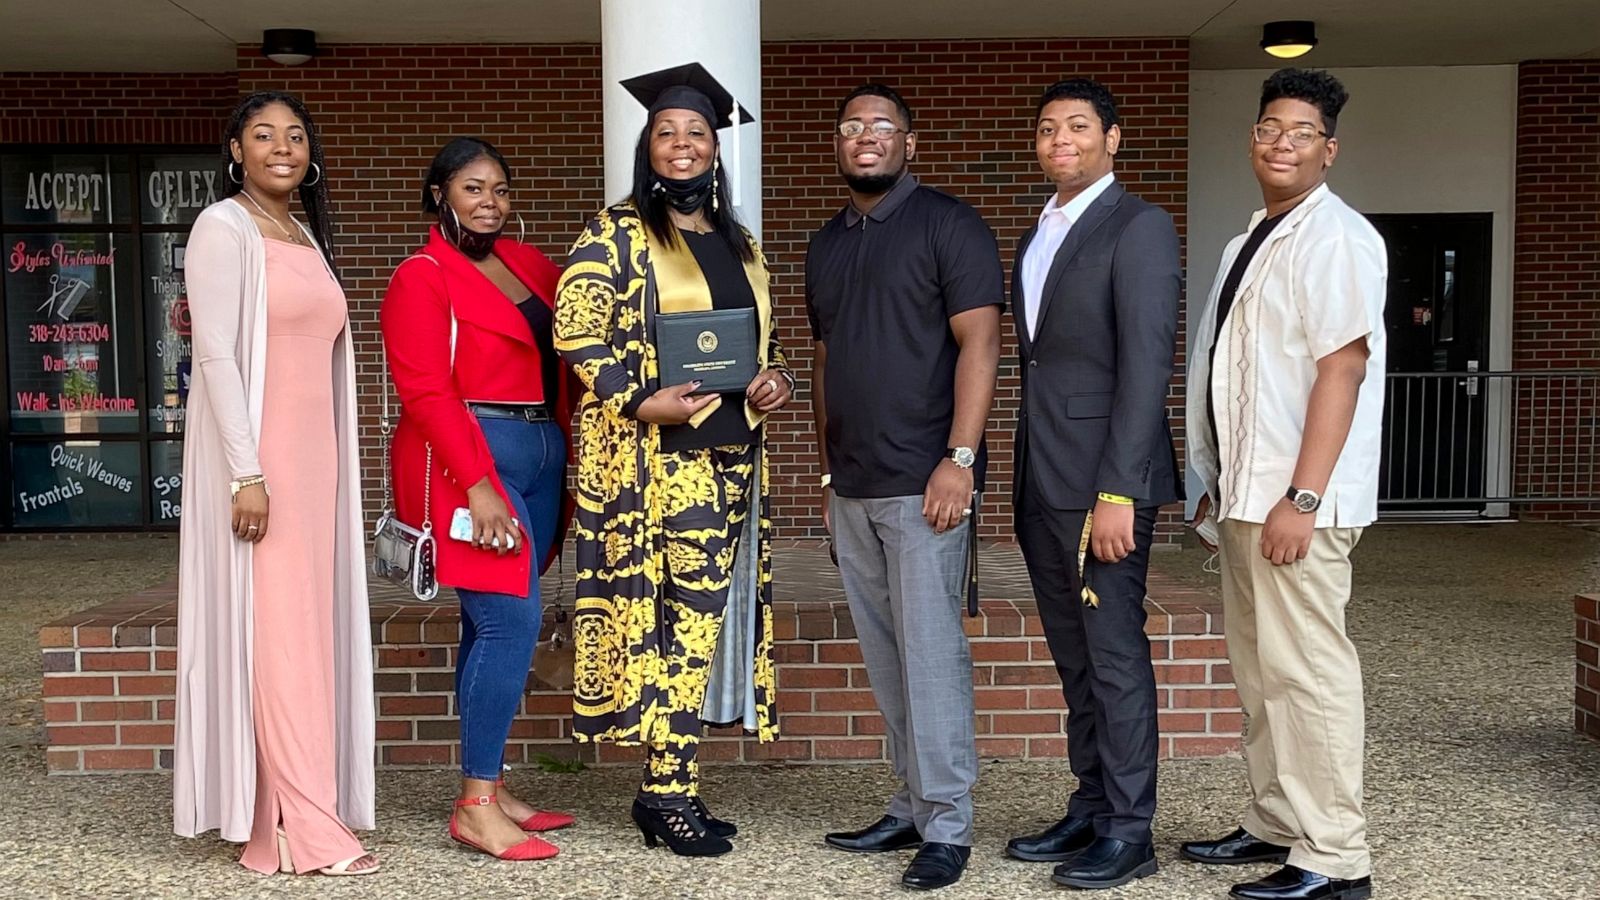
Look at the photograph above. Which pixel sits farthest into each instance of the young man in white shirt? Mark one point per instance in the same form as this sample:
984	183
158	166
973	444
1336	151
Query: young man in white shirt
1285	393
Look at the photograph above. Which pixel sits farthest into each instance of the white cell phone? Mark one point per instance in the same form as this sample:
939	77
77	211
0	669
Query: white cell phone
461	526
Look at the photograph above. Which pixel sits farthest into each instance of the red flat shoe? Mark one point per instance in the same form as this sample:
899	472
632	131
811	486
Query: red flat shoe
531	849
544	820
541	820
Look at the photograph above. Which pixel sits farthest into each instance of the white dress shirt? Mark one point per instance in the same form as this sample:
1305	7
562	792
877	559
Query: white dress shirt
1054	223
1317	284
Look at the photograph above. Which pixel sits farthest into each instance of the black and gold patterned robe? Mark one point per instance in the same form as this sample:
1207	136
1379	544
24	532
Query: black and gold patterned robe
605	306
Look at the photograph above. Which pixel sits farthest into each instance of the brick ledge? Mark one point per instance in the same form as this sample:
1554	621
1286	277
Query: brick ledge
108	688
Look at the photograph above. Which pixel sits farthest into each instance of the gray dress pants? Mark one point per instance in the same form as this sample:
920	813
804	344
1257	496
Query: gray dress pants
906	586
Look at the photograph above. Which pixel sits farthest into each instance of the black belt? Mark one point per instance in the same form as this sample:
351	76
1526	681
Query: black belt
527	412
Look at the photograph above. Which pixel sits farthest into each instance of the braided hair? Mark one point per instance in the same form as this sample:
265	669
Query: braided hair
313	197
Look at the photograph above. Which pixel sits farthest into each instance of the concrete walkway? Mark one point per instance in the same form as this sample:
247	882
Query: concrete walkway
1476	785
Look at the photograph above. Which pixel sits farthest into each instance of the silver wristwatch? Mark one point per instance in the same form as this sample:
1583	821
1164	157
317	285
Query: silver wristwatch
1304	500
963	457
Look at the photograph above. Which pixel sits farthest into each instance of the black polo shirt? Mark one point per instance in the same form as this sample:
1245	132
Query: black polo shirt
881	289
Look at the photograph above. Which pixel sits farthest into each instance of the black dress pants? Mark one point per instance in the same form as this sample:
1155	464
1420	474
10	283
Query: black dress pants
1103	658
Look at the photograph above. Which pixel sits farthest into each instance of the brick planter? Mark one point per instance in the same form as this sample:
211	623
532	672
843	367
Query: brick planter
108	688
1586	694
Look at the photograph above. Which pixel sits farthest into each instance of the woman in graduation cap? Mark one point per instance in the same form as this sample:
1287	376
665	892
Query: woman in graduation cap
673	624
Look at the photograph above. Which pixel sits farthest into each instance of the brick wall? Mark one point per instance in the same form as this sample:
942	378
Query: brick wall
102	108
1556	291
385	109
1586	693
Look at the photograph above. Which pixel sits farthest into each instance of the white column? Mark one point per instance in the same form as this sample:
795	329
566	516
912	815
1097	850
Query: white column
640	36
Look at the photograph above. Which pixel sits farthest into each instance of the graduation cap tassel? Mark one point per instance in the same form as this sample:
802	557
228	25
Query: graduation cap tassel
736	170
1090	598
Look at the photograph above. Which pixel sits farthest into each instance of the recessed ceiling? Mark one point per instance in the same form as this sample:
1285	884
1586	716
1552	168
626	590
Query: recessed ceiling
200	35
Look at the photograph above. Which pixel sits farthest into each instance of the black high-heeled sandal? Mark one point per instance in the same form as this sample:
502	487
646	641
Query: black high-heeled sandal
722	828
684	832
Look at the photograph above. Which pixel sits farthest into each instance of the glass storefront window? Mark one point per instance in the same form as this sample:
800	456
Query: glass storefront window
175	187
166	482
70	345
76	483
166	331
64	189
95	350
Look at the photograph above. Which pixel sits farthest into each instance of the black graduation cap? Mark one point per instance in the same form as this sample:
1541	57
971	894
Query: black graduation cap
688	86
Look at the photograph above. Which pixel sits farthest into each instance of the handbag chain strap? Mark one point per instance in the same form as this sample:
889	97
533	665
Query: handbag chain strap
386	425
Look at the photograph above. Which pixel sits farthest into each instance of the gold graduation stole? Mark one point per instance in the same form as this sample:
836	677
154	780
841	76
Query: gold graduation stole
681	287
1090	598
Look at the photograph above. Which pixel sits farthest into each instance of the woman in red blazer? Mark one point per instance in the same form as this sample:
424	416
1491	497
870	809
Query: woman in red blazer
466	328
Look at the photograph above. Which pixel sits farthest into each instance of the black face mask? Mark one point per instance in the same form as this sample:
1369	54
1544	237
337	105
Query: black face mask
476	245
687	194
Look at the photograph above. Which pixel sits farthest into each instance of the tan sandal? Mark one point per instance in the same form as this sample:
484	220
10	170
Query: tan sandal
342	867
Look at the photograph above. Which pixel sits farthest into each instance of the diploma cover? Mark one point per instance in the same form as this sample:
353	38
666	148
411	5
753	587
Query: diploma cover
715	347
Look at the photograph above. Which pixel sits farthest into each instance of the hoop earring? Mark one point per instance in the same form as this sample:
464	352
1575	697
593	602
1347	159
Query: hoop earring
444	226
240	179
522	230
315	181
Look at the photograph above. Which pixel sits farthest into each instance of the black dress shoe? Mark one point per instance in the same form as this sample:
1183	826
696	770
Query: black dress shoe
888	833
1235	849
936	865
1294	883
1058	843
1107	863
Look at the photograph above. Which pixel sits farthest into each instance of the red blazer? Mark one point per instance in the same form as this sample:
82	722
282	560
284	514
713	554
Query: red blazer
495	360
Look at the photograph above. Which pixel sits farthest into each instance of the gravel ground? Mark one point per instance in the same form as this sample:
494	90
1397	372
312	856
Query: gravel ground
1476	785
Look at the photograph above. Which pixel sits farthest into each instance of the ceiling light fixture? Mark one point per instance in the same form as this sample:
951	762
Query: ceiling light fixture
289	46
1287	40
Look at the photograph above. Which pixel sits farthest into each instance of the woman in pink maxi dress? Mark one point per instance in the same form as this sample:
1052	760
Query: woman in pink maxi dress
292	575
282	628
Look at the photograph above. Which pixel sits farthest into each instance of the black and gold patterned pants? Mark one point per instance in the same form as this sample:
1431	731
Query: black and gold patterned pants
706	500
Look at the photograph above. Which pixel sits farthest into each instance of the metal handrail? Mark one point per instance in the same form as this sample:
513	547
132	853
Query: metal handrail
1457	439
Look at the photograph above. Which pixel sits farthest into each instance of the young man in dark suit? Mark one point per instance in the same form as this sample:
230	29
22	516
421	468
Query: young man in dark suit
1095	296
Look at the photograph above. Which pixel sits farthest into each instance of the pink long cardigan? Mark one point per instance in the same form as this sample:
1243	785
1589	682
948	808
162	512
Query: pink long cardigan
214	763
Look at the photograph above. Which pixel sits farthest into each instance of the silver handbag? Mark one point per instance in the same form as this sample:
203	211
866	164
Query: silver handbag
401	554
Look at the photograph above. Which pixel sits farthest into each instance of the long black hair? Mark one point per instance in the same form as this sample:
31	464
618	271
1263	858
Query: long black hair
652	205
452	158
313	197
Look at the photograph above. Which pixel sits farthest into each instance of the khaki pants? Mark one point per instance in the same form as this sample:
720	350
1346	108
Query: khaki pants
1300	684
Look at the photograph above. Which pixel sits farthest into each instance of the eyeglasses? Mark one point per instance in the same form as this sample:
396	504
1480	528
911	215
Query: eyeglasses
882	129
1300	138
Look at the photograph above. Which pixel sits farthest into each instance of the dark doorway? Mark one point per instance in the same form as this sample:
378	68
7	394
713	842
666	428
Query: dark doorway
1437	415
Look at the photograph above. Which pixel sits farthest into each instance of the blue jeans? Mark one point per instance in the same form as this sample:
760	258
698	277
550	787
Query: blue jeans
498	631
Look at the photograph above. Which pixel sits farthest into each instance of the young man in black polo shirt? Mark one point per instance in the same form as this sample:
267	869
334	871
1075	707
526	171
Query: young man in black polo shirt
904	289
